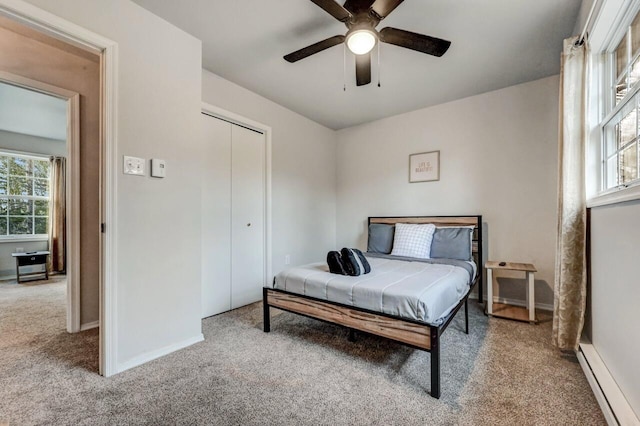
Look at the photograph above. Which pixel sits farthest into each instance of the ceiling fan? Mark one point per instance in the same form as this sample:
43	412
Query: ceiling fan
361	18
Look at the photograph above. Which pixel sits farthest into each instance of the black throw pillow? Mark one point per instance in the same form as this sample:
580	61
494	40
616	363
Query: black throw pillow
336	265
354	262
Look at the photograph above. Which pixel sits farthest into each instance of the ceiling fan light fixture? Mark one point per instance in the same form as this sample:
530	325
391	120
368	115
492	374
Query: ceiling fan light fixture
361	41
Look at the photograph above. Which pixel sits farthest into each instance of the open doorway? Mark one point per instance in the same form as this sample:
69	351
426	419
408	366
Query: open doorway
34	294
39	26
59	87
33	202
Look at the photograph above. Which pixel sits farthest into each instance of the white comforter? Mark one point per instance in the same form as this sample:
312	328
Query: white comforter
413	290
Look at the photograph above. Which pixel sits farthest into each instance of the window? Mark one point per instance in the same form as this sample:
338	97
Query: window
621	128
24	195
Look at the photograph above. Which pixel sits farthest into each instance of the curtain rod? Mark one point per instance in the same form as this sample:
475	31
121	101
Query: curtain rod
580	41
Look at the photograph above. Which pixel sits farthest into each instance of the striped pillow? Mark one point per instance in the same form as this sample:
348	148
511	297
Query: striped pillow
412	240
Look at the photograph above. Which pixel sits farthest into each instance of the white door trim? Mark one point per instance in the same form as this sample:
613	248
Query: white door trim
255	125
41	20
72	188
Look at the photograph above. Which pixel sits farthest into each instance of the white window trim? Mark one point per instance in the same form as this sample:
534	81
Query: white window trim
27	155
18	238
616	195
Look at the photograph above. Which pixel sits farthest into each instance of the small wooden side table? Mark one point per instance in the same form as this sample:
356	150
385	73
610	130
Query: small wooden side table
32	258
502	310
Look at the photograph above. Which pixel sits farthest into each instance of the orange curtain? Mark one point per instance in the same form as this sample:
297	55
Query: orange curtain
57	216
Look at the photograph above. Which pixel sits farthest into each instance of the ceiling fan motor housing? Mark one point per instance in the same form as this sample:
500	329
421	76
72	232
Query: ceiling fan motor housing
362	21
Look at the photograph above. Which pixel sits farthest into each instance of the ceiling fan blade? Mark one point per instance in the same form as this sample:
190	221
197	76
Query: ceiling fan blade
314	48
334	9
382	8
363	69
414	41
358	6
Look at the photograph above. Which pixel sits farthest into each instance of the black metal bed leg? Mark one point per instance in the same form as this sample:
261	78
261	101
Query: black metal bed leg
435	362
466	315
352	335
266	324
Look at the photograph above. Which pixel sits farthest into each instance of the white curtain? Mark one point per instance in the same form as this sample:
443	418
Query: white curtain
571	273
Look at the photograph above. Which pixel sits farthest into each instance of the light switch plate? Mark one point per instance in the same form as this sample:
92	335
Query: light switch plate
158	168
133	166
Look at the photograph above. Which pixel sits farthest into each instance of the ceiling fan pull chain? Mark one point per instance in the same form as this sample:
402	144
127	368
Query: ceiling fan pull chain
344	67
379	68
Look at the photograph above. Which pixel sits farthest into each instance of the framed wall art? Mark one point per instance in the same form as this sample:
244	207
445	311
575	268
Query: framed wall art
424	167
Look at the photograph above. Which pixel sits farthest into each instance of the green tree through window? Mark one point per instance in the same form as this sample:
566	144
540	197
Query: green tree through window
24	195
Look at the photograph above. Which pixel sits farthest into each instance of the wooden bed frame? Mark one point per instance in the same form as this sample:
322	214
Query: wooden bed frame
412	333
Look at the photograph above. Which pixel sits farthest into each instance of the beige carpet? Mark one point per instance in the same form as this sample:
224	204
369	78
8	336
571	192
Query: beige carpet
303	372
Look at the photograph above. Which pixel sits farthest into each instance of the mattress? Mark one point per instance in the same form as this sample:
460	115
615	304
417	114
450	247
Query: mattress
412	290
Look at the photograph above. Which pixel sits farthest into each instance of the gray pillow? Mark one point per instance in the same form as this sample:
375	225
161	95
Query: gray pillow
380	238
451	243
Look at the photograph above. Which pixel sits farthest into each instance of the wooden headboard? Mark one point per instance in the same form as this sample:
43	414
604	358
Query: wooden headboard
475	221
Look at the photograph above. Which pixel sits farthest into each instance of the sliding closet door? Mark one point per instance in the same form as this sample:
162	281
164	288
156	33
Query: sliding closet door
216	217
247	216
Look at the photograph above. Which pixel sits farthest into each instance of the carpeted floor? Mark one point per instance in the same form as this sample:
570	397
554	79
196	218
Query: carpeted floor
303	372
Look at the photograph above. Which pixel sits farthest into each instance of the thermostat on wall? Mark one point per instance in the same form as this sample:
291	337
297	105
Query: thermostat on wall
158	168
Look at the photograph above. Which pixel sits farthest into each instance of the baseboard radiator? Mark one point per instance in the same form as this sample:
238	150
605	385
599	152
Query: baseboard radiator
614	405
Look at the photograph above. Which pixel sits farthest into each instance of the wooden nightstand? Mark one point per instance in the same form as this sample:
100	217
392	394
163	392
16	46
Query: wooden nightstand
502	310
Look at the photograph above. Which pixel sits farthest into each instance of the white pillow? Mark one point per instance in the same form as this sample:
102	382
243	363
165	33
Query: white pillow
412	240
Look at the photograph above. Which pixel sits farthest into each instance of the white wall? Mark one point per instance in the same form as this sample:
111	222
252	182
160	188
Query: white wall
159	95
498	159
32	144
32	113
615	294
303	172
8	263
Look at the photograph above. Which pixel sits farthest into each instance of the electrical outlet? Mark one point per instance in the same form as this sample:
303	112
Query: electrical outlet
287	259
19	249
133	166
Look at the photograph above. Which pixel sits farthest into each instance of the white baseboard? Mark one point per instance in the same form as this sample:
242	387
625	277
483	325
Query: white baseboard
89	325
614	405
516	302
523	303
150	356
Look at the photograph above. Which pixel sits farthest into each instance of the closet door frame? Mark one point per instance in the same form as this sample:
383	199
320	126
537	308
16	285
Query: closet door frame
234	118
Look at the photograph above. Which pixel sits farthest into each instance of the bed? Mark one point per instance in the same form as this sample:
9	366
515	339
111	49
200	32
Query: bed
408	300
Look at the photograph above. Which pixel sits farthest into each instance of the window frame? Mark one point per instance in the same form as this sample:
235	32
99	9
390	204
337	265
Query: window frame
616	109
25	237
611	25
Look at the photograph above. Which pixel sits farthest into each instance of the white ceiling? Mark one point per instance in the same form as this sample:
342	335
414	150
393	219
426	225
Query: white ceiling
32	113
495	44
